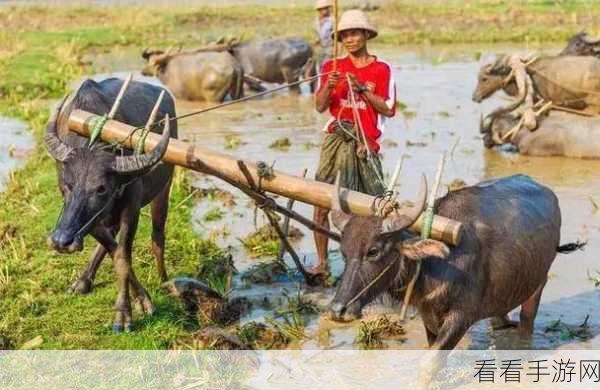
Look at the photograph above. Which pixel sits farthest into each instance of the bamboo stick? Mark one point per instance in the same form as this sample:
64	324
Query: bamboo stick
286	221
223	166
335	33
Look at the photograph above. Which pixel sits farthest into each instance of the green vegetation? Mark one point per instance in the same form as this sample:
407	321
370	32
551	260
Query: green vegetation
281	144
568	332
371	333
233	141
43	49
214	214
292	318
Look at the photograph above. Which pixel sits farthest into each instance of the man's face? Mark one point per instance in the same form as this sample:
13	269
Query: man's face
324	12
354	40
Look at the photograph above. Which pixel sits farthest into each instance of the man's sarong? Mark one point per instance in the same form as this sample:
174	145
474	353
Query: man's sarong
338	153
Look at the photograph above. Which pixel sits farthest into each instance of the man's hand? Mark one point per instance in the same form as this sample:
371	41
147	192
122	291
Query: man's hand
358	87
354	84
334	78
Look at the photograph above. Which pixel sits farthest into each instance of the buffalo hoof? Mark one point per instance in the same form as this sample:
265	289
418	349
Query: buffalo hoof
81	286
118	328
145	305
500	323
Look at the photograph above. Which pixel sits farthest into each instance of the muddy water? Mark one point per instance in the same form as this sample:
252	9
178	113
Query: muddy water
14	147
436	85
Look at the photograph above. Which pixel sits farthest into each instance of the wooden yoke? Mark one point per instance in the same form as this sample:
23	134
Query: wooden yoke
224	166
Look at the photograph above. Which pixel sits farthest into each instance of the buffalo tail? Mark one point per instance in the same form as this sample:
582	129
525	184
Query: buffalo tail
571	247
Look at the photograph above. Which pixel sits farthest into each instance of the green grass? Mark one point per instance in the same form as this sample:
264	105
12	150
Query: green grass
41	52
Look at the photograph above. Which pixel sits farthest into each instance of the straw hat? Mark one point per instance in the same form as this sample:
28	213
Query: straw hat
355	19
323	4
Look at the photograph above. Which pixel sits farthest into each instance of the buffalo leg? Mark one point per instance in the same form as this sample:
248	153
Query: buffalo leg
83	285
160	207
449	334
529	310
105	237
290	76
430	337
122	261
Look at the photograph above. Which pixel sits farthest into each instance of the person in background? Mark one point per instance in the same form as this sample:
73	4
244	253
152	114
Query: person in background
366	80
324	28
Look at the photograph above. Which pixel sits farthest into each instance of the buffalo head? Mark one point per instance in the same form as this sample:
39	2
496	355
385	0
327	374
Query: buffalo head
494	129
582	45
91	180
156	61
491	78
379	253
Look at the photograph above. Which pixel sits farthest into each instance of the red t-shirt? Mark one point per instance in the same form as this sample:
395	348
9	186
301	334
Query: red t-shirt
377	72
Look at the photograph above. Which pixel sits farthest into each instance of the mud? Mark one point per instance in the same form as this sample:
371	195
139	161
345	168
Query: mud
435	86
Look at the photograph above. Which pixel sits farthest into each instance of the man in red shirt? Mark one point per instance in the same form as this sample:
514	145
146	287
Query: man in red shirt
360	94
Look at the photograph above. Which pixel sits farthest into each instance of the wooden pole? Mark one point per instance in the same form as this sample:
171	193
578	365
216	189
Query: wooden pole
286	222
335	34
226	167
425	233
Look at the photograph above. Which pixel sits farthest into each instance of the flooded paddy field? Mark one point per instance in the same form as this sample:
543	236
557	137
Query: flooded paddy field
16	142
435	86
436	115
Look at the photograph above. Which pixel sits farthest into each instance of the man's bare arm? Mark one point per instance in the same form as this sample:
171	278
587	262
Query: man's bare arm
323	99
378	103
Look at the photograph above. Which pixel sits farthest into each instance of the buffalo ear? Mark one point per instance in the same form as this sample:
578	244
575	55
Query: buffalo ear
419	249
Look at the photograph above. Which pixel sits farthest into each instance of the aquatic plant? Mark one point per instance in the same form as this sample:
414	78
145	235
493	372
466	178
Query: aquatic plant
214	214
371	333
568	332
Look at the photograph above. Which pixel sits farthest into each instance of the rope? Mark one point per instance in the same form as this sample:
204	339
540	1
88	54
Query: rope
225	104
358	123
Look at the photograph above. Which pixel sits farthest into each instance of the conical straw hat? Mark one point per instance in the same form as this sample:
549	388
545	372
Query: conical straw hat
323	4
355	19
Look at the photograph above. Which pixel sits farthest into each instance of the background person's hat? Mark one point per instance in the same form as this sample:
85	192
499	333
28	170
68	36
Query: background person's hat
323	4
355	19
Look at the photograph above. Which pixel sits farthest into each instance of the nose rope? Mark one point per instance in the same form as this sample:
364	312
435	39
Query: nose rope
117	193
371	283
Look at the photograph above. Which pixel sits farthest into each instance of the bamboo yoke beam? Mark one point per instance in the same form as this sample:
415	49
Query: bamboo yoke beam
226	167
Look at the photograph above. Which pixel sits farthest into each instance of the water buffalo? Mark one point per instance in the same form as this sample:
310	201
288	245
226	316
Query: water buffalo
276	60
567	81
558	134
103	191
510	239
582	45
203	76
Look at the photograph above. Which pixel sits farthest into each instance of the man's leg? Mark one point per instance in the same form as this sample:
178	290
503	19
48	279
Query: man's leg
321	241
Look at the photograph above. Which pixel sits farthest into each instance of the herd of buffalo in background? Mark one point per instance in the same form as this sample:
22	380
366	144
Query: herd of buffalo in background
488	274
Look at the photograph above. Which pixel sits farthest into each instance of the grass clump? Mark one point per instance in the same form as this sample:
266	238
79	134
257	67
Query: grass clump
214	214
595	279
371	333
567	332
290	320
233	141
261	336
281	144
265	242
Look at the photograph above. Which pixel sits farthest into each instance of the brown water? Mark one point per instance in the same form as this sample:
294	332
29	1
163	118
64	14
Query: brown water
436	85
15	144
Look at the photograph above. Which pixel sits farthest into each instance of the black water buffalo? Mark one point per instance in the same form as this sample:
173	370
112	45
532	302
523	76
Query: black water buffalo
581	44
276	60
103	191
510	239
